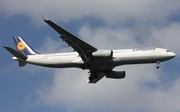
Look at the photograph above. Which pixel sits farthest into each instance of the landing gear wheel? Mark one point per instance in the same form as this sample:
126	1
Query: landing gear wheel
157	66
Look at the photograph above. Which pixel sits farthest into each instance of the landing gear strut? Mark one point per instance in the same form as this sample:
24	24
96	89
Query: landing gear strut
157	64
86	64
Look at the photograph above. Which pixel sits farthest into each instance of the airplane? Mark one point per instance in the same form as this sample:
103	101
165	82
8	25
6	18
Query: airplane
99	62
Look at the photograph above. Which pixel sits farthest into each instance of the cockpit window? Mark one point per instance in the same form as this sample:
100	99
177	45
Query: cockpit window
168	50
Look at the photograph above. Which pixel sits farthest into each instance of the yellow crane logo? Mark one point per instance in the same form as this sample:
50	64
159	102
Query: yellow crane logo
21	46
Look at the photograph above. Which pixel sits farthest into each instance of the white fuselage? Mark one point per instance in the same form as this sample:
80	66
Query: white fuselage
120	57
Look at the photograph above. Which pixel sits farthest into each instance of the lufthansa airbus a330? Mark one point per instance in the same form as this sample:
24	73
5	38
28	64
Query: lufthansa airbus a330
99	62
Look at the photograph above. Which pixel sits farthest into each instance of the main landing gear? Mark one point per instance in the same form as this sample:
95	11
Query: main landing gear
157	64
86	65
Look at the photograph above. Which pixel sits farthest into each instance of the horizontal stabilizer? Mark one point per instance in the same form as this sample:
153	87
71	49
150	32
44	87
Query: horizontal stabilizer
15	53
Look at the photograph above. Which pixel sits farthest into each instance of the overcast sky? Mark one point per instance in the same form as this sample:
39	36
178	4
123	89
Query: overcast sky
104	24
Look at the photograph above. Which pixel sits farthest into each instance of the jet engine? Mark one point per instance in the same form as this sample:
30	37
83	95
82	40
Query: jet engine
103	53
116	74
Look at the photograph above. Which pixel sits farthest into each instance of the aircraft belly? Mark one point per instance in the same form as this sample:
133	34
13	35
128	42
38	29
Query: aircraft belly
121	59
55	62
102	64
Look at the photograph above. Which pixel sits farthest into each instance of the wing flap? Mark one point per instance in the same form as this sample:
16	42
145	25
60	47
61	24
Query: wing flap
99	75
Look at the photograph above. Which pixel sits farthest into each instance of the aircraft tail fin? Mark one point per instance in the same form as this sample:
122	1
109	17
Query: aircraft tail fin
23	46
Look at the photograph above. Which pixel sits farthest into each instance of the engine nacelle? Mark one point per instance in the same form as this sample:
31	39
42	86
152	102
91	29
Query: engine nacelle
116	74
103	53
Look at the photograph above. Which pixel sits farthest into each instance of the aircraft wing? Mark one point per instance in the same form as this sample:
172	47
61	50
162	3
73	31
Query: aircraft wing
84	49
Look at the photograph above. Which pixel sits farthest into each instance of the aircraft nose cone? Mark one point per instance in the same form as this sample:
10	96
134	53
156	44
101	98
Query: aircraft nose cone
172	55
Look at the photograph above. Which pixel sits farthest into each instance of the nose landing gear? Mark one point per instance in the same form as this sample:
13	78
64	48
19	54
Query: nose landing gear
157	64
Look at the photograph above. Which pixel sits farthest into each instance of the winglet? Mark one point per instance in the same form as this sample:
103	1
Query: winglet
44	18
